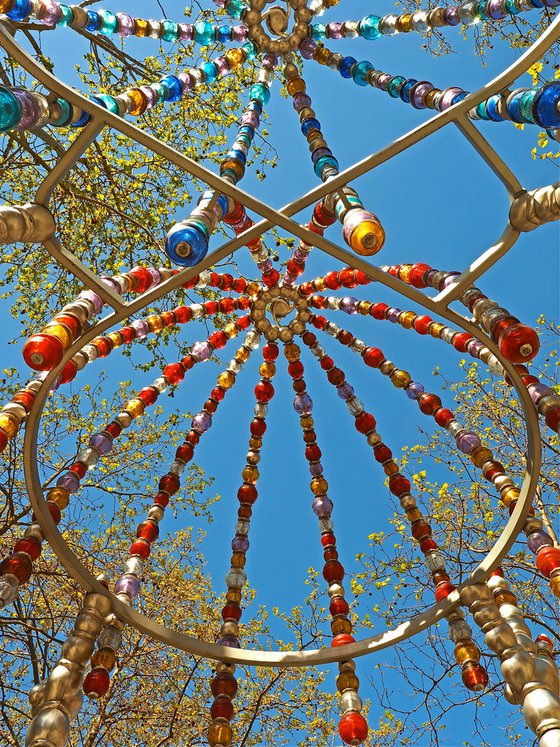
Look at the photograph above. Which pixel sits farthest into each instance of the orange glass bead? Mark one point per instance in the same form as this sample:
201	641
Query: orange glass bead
235	57
135	408
232	164
138	101
353	728
390	468
9	424
141	27
292	351
219	733
319	486
295	85
267	370
480	455
226	380
475	677
255	443
407	319
250	474
61	332
6	6
60	496
104	657
155	323
555	585
367	238
347	681
253	289
467	651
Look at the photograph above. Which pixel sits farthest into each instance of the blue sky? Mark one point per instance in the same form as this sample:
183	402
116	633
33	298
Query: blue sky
440	204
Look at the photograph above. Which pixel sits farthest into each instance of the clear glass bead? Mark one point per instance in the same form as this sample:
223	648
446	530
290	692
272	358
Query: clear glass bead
435	562
9	586
358	346
454	428
333	329
333	303
355	406
261	410
234	366
350	701
110	637
326	525
388	25
242	528
204	279
447	335
459	631
178	467
420	20
335	60
236	578
160	384
197	310
252	340
89	457
134	565
90	351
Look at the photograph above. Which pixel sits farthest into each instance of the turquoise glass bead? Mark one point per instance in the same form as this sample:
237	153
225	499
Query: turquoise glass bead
250	50
320	164
170	31
10	110
526	105
186	244
106	101
360	71
203	32
319	31
235	8
368	28
65	16
511	8
66	114
161	90
247	132
20	11
174	87
481	110
394	87
109	22
210	71
260	92
545	111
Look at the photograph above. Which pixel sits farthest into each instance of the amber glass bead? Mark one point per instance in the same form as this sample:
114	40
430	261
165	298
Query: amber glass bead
321	55
436	329
155	323
341	625
96	684
319	486
25	397
235	57
390	468
480	455
222	707
307	422
220	733
430	98
347	681
116	338
400	378
250	474
104	657
295	85
292	351
509	495
238	559
226	380
407	319
475	677
413	513
255	443
61	332
405	24
505	597
555	585
233	595
467	651
140	27
367	238
135	408
138	101
224	683
8	424
60	496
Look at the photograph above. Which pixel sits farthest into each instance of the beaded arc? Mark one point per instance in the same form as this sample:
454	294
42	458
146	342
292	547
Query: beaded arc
260	309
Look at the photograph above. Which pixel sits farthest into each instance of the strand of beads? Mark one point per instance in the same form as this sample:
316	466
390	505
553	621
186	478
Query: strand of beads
541	706
127	587
466	652
321	219
187	242
52	13
16	569
523	105
353	727
372	27
224	684
468	442
361	229
240	221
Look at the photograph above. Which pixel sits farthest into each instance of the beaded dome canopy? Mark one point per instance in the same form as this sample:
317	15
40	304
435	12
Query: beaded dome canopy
284	314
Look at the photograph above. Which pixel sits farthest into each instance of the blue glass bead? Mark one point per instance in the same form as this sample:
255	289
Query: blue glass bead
237	154
369	28
203	32
394	87
360	71
310	124
459	97
526	105
186	244
537	4
511	8
174	86
552	3
319	31
65	16
109	22
513	109
210	71
66	114
545	111
320	164
491	108
250	50
481	110
254	106
553	134
406	88
259	92
10	110
170	30
223	202
345	67
224	33
83	120
248	131
94	23
20	11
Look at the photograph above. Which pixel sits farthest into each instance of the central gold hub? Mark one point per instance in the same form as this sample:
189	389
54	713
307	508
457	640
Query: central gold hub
278	303
277	20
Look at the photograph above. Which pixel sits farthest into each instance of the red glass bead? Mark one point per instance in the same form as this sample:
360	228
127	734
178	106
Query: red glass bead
335	376
345	337
192	437
161	499
210	406
227	281
444	590
240	285
475	677
419	528
30	545
500	326
295	369
257	427
188	362
183	314
373	357
26	398
218	393
428	544
332	281
96	684
185	452
243	322
338	606
319	322
353	728
247	493
174	373
270	279
552	418
227	305
270	352
342	639
218	340
421	324
429	403
365	423
382	453
231	611
211	307
79	468
224	683
443	417
378	310
548	559
398	484
170	483
333	571
222	707
128	334
3	440
313	453
244	303
43	352
318	302
19	565
460	341
54	511
169	318
416	275
192	282
114	428
140	548
144	278
148	395
148	530
264	391
328	539
294	267
519	343
68	372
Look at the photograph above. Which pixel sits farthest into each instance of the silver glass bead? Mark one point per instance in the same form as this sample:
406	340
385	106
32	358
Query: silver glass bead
161	384
110	637
89	457
420	20
388	25
350	701
9	586
236	577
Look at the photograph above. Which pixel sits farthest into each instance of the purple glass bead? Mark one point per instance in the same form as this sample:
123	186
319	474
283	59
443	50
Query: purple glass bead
467	441
141	328
43	375
156	275
231	641
414	390
538	391
448	279
319	153
97	302
29	108
345	391
70	481
307	47
186	31
201	351
334	31
265	266
239	543
429	276
128	584
452	16
447	99
393	315
418	93
103	442
223	66
303	404
316	469
112	284
300	101
126	24
383	81
300	255
270	60
187	81
322	506
51	12
495	9
250	118
201	422
474	347
239	33
349	305
536	540
151	96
